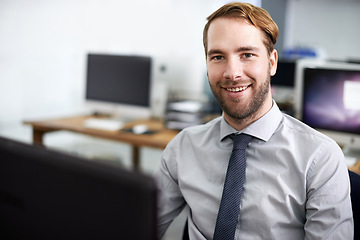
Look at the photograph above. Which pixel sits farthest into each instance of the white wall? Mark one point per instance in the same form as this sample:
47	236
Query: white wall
330	25
43	43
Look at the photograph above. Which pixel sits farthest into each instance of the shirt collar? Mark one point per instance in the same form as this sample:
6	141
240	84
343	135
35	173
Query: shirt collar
263	128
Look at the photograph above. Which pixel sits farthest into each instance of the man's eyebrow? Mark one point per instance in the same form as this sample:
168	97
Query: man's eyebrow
240	49
247	48
215	51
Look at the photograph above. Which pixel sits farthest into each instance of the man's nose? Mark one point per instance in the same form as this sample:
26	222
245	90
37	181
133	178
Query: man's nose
234	69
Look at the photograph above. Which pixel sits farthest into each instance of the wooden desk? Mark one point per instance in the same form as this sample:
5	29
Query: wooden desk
159	139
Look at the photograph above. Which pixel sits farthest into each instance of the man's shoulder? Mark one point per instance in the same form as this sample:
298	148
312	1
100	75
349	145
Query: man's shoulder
298	128
197	132
196	137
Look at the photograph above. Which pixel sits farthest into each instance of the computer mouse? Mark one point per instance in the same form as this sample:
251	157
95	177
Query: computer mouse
139	129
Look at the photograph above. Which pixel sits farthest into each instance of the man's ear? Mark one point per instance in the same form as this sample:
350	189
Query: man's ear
273	62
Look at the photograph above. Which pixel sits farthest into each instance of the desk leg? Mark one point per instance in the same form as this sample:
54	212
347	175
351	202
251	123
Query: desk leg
136	158
38	137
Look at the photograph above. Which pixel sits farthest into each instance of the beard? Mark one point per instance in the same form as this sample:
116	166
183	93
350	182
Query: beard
237	113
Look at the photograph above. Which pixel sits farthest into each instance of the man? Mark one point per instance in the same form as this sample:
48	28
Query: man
296	182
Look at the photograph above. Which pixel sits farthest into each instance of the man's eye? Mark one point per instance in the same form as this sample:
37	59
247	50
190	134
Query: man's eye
217	58
248	55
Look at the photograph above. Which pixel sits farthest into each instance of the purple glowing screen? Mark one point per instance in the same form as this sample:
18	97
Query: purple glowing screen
331	99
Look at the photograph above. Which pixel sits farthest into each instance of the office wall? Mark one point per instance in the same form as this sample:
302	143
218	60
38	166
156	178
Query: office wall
277	10
43	43
329	25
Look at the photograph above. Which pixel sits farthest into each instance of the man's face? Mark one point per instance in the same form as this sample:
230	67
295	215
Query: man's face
239	69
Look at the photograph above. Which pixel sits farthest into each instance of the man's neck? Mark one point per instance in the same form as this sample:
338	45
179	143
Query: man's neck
240	124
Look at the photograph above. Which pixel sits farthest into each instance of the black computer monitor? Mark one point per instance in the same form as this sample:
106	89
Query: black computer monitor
46	194
285	74
119	83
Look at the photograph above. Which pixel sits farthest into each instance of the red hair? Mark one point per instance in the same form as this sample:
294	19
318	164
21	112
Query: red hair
256	16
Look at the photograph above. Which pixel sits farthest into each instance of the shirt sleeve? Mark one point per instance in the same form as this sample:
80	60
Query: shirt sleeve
170	199
328	207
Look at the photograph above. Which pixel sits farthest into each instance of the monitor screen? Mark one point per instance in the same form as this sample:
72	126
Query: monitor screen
119	79
51	195
329	100
285	74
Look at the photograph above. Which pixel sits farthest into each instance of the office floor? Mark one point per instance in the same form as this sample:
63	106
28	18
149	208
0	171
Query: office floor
95	148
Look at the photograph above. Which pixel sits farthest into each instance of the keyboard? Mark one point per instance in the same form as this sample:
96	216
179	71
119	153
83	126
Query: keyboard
103	124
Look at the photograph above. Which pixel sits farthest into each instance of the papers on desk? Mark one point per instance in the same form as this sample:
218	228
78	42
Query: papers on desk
186	106
185	113
103	124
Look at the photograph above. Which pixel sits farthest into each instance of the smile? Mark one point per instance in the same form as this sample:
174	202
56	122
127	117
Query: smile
237	89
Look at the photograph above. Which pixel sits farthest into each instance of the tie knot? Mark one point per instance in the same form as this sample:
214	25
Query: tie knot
240	140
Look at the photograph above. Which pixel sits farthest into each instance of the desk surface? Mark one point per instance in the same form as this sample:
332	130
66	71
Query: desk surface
158	139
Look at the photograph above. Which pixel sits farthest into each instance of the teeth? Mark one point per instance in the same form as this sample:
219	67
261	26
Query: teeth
237	89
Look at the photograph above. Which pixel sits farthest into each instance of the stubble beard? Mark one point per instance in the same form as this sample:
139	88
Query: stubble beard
250	111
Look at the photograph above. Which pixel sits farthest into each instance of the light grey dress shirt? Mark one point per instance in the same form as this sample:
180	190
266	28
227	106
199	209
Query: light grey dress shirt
296	186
